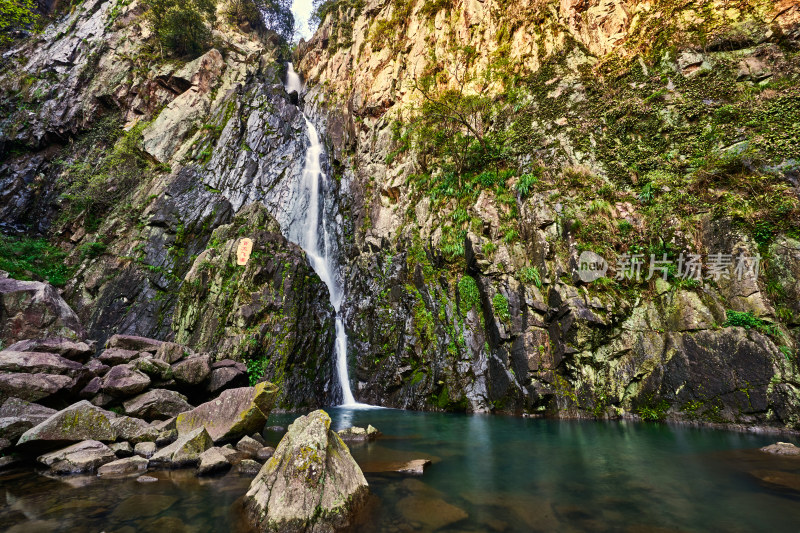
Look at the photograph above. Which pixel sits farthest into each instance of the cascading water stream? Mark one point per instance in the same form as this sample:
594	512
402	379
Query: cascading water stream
306	230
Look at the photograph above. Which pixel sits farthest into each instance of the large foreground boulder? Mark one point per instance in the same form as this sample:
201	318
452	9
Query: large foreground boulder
31	309
311	483
234	414
84	421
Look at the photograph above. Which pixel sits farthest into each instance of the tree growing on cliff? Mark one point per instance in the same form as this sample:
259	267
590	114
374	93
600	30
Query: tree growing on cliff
273	15
452	123
182	27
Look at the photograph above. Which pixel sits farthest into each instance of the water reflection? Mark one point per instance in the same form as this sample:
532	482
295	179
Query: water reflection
489	473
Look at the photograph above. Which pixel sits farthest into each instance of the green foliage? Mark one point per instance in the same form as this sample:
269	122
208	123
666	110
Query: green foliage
15	15
526	183
91	250
531	275
431	7
500	306
102	177
469	293
256	367
748	320
33	259
653	411
182	27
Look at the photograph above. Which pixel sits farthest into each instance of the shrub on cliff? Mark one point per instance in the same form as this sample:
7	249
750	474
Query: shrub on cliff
182	28
273	15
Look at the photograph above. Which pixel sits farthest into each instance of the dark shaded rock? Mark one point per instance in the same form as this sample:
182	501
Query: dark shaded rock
13	427
234	414
157	404
92	388
121	449
248	467
265	453
227	376
132	342
212	461
124	467
31	310
183	452
34	387
69	349
97	367
145	449
170	352
82	457
249	446
123	381
192	371
312	482
258	438
117	356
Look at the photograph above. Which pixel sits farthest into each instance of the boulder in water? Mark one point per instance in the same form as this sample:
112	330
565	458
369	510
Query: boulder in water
185	451
311	483
124	467
782	448
234	414
212	461
82	457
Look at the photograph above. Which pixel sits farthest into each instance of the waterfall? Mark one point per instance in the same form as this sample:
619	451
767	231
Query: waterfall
310	231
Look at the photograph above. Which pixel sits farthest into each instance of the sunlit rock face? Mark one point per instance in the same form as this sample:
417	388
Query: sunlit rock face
311	483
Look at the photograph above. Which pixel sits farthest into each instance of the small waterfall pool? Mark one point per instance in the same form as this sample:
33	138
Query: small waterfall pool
489	474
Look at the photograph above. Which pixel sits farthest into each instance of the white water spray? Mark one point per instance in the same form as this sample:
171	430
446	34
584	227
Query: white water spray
306	230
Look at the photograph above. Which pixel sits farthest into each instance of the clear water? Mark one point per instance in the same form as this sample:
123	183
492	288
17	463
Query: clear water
489	473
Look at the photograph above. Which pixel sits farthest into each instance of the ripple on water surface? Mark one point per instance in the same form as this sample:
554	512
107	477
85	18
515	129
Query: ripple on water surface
487	473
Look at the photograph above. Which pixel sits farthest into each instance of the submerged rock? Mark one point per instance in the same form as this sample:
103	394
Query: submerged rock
357	434
782	448
82	457
234	414
185	451
312	483
124	467
212	461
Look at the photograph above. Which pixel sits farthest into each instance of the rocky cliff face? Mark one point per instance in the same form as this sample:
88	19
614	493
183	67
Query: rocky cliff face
611	127
140	167
623	128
